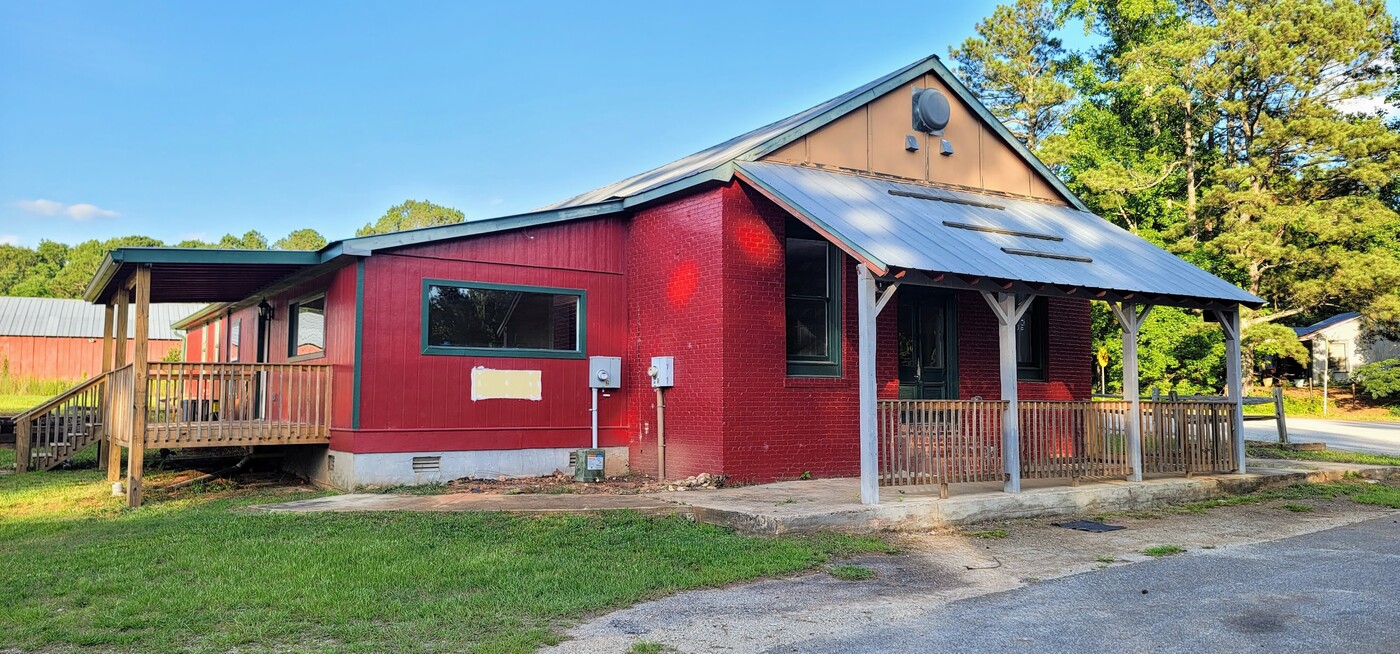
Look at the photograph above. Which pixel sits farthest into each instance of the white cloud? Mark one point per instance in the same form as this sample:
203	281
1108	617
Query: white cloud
9	239
80	212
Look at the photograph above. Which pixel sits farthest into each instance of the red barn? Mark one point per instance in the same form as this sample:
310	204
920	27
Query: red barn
766	269
49	338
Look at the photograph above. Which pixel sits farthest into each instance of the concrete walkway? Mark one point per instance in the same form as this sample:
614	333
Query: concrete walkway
651	504
834	504
1351	435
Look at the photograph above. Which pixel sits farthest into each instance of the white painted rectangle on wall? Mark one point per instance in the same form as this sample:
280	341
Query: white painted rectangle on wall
489	384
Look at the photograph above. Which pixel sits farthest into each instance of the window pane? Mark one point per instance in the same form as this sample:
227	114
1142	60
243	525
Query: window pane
310	327
493	318
806	268
806	329
235	332
1025	341
932	335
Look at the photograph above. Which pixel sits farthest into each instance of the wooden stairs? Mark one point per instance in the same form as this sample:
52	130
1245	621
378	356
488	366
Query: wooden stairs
48	435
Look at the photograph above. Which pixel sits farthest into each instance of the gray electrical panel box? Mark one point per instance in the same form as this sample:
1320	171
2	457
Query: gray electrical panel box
662	372
605	372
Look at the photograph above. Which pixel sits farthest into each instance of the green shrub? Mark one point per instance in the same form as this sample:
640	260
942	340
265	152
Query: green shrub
1379	380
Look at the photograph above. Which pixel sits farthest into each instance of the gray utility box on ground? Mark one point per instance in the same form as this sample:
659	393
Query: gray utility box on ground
589	465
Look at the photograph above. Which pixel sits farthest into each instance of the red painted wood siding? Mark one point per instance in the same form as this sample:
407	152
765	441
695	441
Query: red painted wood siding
339	287
73	359
415	402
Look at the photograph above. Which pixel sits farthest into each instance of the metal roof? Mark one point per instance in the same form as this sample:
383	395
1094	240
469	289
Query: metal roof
42	316
891	224
1310	330
764	140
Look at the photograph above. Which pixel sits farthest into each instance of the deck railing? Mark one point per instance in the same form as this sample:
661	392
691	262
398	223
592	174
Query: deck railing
1188	437
938	442
218	404
1074	440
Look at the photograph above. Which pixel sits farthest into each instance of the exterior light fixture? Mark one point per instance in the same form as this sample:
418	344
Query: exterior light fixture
265	310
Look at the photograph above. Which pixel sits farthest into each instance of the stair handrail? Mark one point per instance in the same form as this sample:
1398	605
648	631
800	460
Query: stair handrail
58	399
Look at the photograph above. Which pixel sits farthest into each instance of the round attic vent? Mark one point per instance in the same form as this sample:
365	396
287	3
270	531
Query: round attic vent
931	111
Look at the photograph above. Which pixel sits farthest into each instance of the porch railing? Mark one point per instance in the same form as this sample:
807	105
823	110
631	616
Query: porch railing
938	442
1075	440
1188	437
214	404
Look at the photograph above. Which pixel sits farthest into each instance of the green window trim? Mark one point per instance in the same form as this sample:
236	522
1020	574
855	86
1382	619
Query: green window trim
828	366
292	310
581	343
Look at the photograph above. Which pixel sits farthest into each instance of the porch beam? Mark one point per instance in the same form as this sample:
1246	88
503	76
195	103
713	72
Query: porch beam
984	284
1009	311
123	306
140	360
867	308
1130	317
1234	378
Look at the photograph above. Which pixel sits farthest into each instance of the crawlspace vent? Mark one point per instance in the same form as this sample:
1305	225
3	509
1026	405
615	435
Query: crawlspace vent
330	462
427	463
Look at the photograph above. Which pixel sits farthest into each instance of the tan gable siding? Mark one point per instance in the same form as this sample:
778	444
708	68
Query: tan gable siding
872	139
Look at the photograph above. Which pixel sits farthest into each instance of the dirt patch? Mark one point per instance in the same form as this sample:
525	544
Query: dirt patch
560	484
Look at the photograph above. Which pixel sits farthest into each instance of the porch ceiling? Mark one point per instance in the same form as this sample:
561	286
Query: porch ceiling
198	275
927	235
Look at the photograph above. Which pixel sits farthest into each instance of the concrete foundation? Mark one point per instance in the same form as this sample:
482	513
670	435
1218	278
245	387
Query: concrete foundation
348	471
834	504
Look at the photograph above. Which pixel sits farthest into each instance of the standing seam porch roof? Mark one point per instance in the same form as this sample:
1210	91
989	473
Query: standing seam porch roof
894	224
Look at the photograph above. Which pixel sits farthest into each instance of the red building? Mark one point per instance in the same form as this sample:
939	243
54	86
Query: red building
45	338
464	350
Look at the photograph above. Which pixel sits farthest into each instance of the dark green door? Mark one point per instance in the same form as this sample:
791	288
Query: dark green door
927	344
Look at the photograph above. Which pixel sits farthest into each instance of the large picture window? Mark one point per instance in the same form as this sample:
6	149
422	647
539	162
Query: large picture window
813	304
306	334
1032	342
478	319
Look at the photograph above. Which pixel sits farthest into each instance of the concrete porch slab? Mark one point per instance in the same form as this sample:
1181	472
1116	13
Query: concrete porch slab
834	504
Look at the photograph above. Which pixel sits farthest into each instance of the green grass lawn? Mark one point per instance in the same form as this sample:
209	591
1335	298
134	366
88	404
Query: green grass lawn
1334	456
12	404
194	574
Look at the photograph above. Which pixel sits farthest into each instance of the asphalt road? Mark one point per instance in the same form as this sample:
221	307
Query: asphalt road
1331	591
1352	435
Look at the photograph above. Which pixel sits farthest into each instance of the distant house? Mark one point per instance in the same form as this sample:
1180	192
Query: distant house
1338	346
49	338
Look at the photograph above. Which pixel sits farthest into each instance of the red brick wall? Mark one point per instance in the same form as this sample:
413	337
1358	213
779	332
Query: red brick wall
706	285
1069	358
674	308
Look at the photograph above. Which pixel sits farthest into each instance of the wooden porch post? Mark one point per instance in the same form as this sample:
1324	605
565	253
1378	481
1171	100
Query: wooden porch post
1131	319
1008	312
869	454
104	442
136	453
1234	379
123	300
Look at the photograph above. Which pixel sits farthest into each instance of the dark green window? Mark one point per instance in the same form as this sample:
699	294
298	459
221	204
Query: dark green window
1033	342
478	319
306	332
813	303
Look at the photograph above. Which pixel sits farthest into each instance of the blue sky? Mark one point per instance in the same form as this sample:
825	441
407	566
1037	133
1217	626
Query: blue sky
193	119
